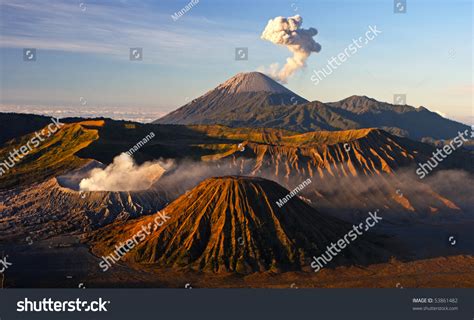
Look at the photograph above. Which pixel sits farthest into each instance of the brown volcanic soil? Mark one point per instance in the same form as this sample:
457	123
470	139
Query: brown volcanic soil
442	272
451	272
37	266
370	170
352	170
232	224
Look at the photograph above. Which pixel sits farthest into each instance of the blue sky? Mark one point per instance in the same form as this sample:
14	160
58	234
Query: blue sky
83	51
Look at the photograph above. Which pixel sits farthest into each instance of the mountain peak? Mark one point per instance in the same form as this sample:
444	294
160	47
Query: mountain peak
241	94
363	104
252	82
357	97
233	223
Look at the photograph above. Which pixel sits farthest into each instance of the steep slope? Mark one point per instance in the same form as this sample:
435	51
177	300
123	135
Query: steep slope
232	224
252	82
352	171
55	155
243	94
341	153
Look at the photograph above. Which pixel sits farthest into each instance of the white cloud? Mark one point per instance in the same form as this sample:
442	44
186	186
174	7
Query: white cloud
288	32
106	28
122	175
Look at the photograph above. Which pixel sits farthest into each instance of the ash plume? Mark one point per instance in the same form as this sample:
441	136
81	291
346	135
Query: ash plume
288	32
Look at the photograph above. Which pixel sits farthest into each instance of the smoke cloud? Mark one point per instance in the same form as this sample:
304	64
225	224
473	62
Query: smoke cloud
123	175
287	32
347	197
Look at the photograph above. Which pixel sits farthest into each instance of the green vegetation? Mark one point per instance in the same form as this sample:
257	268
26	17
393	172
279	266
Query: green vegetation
52	157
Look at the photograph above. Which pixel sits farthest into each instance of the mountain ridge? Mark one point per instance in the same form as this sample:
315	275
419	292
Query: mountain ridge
244	101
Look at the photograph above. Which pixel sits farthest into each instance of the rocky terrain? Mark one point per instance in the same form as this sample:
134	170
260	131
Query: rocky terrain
220	186
233	224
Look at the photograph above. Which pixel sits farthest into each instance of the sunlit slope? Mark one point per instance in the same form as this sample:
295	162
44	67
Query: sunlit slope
53	156
338	153
353	171
326	153
234	224
283	156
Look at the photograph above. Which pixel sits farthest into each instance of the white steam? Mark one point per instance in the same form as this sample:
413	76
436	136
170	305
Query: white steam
287	32
122	175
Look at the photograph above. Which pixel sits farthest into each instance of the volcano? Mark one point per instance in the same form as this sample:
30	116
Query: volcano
253	100
233	224
245	93
41	196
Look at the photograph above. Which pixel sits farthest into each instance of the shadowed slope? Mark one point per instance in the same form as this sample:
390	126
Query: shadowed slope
15	125
416	123
254	100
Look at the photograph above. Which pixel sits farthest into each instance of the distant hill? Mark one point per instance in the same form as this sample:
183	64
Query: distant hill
416	123
254	100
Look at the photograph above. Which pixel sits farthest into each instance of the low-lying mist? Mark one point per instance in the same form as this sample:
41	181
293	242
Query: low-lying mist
402	191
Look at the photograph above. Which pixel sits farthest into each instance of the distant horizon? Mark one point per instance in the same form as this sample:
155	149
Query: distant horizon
83	51
147	114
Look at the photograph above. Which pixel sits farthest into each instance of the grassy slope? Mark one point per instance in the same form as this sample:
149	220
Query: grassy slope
53	156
